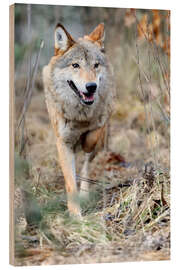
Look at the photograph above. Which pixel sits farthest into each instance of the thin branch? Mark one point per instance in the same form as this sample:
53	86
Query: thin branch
142	90
29	93
155	51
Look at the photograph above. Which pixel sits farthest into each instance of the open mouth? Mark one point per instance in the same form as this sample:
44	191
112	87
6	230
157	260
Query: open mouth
86	98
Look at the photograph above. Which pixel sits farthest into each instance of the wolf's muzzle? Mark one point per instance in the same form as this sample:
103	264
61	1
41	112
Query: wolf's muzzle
86	98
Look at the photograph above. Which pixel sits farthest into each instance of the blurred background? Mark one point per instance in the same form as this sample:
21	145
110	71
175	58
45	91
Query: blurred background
135	170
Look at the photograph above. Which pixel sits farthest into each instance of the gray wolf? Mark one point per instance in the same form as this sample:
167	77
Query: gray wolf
79	93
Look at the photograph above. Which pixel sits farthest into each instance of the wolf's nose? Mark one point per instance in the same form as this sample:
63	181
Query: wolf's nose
91	87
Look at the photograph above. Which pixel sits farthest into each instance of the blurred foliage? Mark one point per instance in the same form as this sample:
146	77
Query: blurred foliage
119	25
21	169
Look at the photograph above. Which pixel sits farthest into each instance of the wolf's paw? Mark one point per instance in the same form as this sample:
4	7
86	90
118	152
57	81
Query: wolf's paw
74	210
76	216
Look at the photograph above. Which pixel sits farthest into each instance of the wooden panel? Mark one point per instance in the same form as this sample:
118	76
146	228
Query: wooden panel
11	135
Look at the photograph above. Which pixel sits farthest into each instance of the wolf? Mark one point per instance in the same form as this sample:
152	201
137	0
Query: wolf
79	93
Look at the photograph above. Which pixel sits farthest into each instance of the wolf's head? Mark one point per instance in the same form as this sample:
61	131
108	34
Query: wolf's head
80	68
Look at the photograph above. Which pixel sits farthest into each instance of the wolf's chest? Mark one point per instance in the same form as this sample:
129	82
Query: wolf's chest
73	133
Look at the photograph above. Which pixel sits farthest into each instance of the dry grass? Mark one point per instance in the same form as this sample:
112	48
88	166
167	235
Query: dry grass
127	217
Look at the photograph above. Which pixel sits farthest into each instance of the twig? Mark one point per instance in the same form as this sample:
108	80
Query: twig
157	219
22	142
140	82
141	69
29	40
148	81
29	94
156	151
156	54
96	182
112	199
165	116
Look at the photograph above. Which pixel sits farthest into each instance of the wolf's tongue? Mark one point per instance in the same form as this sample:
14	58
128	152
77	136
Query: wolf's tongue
90	98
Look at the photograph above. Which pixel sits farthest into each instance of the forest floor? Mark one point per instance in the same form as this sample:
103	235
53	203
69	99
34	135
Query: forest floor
127	217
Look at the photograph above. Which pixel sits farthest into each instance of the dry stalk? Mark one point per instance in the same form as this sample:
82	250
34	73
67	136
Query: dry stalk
164	114
31	75
152	48
28	97
22	141
155	53
156	151
32	82
142	90
153	222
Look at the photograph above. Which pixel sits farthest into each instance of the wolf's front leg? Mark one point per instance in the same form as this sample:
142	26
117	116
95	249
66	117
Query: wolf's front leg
84	188
67	162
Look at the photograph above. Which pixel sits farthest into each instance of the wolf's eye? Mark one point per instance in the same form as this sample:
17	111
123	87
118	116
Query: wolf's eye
96	65
76	65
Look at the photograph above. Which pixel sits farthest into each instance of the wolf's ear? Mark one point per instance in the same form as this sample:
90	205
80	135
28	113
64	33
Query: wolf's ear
63	40
98	35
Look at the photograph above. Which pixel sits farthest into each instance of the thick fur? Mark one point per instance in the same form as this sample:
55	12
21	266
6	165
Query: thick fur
77	125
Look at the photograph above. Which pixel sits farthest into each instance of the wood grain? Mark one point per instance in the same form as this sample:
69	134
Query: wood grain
11	134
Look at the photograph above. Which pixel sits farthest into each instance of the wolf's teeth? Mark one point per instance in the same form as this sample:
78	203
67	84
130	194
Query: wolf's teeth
82	95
